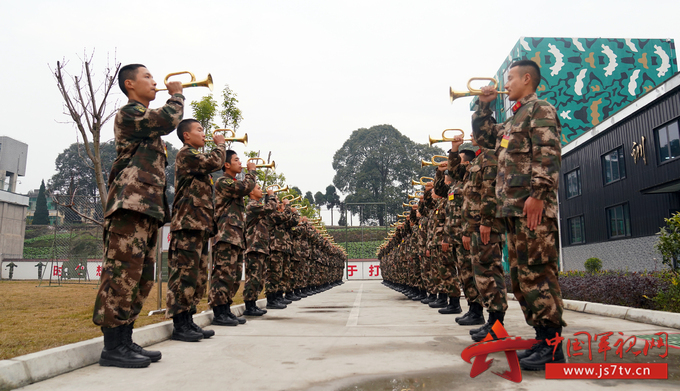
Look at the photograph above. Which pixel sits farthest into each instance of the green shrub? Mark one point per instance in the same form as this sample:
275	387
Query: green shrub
669	240
593	265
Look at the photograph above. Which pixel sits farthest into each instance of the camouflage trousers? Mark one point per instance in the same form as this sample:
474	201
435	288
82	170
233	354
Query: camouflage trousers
187	270
425	272
287	275
226	274
533	270
130	240
297	272
446	267
487	263
435	262
466	275
254	275
274	271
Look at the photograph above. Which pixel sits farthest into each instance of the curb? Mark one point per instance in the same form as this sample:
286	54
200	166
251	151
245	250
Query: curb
658	318
34	367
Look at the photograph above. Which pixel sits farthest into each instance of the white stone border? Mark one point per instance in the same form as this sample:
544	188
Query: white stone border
34	367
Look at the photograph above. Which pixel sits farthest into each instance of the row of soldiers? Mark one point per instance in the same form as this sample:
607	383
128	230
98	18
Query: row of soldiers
283	252
507	191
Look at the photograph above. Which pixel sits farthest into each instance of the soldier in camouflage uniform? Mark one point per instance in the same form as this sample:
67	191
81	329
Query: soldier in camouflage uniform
136	207
279	223
257	240
191	227
230	239
290	268
528	148
483	235
454	240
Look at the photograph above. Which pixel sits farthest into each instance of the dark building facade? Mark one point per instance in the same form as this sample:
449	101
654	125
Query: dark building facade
619	181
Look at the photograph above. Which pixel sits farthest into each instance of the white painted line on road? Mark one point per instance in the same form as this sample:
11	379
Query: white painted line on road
354	314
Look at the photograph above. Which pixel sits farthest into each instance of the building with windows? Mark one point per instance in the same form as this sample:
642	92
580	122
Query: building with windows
620	180
618	101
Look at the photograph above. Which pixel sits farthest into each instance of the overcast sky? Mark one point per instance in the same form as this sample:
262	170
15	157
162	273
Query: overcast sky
307	73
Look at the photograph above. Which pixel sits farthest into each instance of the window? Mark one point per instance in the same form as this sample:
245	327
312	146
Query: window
573	179
614	166
576	230
618	221
668	140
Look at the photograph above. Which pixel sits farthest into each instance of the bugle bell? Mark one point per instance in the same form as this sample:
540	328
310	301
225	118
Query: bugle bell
453	95
264	164
243	139
291	197
444	138
277	188
208	82
433	162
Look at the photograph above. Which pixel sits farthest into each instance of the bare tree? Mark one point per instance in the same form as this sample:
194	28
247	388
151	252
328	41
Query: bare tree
85	101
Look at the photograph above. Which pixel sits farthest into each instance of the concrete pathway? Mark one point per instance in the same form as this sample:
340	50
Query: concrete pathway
359	336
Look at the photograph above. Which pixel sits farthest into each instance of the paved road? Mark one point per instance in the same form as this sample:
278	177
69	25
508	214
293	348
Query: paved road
359	336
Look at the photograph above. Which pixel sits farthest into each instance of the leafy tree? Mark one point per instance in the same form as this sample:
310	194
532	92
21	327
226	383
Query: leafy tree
669	242
309	197
231	115
41	215
332	199
377	165
342	221
297	190
319	198
205	111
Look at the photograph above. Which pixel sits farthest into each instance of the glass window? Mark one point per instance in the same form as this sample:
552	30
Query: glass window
618	221
668	139
614	166
573	180
576	230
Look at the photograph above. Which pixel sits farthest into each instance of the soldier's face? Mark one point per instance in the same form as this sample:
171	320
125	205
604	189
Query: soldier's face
195	136
234	165
257	192
517	84
143	86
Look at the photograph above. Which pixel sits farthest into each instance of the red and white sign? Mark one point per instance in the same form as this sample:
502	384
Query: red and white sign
363	269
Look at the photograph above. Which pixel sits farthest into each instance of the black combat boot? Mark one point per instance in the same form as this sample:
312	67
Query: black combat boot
300	293
539	337
195	327
272	303
181	328
421	295
222	318
292	296
453	307
474	316
486	329
233	316
154	355
544	353
432	297
441	301
251	309
281	299
117	354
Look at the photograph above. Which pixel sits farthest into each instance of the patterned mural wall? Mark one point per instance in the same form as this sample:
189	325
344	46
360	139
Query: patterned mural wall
589	79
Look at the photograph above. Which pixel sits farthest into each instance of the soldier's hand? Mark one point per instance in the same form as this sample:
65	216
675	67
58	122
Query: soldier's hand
270	192
533	210
286	201
442	166
429	185
174	87
218	138
456	143
489	93
293	209
445	247
485	233
466	243
427	253
251	166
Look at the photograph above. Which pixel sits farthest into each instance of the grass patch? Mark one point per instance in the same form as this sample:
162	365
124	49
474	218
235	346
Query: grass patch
38	318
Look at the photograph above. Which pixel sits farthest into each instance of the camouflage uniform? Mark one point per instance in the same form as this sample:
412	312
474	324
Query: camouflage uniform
257	239
135	208
479	208
230	239
447	266
278	249
528	149
191	227
454	227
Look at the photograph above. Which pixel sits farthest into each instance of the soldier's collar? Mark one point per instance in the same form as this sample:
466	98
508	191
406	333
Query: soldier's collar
523	102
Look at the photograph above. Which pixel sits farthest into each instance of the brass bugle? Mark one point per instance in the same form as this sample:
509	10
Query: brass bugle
292	198
453	95
405	205
299	207
278	188
434	162
243	139
411	197
208	82
423	182
444	138
264	164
